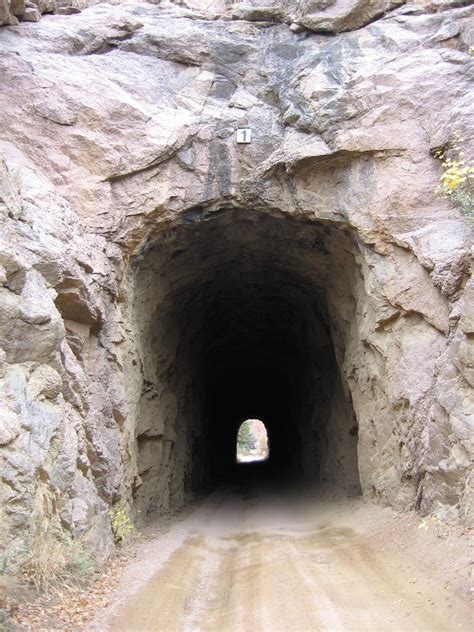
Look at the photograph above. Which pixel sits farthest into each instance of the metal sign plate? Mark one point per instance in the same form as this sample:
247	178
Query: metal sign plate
244	135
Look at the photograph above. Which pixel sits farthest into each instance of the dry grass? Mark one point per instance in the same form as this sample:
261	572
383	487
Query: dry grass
52	559
50	582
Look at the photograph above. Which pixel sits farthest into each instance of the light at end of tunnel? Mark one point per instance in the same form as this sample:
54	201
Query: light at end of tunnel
252	442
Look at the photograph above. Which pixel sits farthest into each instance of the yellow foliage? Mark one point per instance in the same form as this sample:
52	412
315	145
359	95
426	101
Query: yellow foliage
457	179
455	173
120	523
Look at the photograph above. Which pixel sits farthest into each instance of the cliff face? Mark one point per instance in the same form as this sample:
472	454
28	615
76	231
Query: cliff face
161	282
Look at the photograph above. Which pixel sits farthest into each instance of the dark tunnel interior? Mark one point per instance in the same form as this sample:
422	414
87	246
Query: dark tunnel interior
255	365
234	324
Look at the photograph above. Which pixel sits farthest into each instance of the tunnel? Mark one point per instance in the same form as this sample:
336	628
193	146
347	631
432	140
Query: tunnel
241	314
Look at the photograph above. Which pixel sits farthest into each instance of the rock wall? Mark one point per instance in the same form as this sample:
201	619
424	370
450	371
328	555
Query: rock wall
118	128
14	11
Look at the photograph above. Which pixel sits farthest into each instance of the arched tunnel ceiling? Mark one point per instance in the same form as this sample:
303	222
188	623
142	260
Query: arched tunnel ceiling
251	334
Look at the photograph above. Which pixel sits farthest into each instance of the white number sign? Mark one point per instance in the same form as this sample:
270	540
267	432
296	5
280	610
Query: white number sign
244	135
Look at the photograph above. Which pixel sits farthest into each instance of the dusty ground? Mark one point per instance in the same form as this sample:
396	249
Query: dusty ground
270	560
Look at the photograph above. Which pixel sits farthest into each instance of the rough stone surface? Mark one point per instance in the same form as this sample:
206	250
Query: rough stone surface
334	16
134	229
11	11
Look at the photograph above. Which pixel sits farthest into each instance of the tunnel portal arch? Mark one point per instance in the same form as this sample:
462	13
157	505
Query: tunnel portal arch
236	311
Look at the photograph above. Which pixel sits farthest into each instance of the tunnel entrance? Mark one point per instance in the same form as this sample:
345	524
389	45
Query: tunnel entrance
252	443
236	315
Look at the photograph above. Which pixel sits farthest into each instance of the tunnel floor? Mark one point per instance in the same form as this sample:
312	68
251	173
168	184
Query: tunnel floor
263	557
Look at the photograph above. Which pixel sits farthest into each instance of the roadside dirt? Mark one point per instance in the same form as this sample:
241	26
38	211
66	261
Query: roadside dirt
262	560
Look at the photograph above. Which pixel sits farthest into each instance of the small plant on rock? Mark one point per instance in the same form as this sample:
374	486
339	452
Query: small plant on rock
79	562
120	523
457	179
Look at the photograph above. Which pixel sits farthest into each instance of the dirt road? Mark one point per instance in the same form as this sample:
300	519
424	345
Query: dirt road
267	561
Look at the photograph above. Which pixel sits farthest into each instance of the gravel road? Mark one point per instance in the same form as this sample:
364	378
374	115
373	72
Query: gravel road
247	560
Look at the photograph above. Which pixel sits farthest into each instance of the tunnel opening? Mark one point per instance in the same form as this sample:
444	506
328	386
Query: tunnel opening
236	315
252	443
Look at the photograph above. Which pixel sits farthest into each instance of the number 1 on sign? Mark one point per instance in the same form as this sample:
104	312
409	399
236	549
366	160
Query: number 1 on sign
244	135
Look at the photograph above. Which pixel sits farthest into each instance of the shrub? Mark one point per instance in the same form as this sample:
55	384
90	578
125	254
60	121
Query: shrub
457	179
246	441
120	523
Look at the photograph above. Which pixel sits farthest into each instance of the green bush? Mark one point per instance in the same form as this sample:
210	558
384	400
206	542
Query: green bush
246	441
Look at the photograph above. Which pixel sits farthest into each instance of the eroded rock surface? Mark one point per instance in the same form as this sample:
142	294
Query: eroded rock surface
146	257
14	11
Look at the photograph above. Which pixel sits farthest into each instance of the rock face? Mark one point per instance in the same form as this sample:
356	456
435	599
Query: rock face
161	283
323	16
14	11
